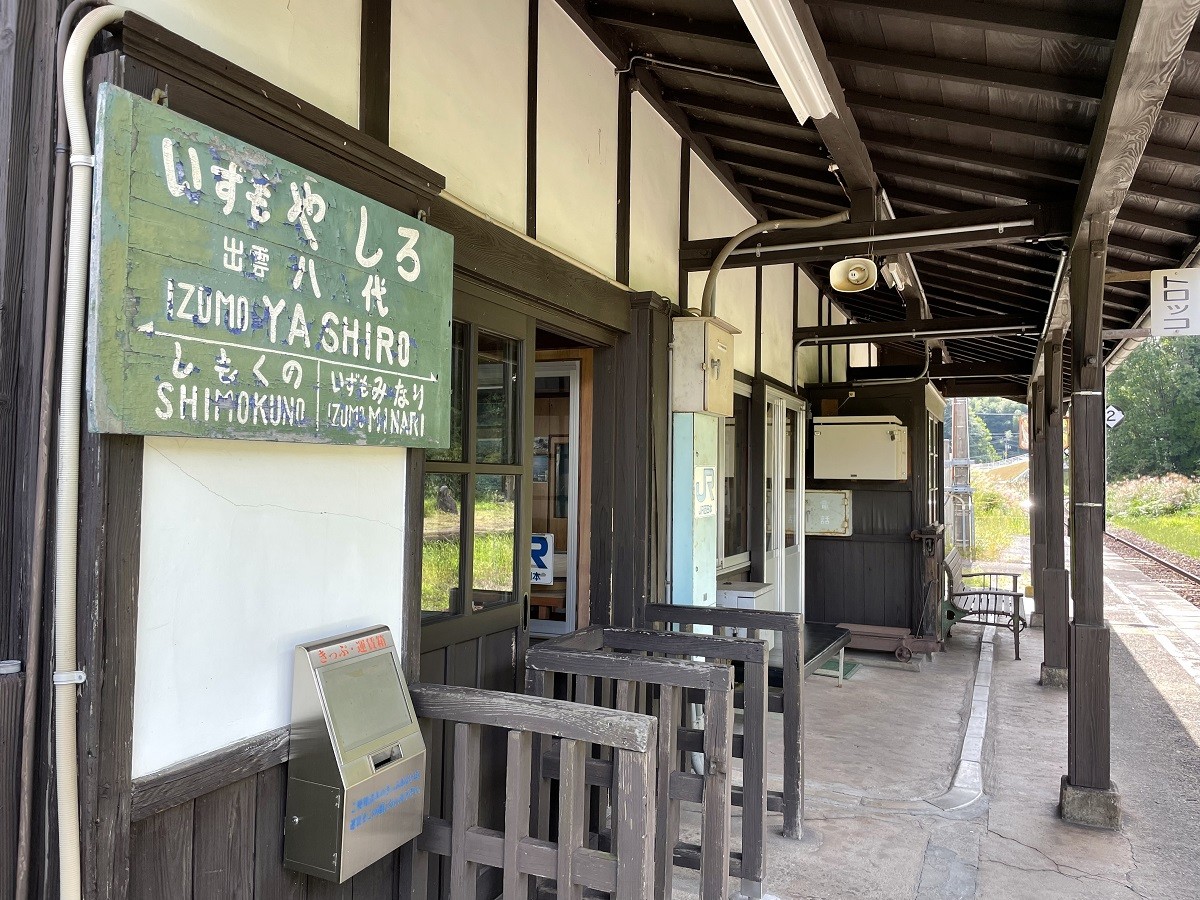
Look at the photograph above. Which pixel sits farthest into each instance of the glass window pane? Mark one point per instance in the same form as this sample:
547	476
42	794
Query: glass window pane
791	447
458	385
493	540
769	464
737	481
441	555
497	400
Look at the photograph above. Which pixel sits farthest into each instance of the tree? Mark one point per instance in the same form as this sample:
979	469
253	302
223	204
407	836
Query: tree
983	449
999	416
1158	389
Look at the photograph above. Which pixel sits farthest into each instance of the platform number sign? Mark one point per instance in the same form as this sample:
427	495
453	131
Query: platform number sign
1113	416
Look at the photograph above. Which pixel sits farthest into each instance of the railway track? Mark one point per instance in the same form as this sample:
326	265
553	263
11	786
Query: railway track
1179	573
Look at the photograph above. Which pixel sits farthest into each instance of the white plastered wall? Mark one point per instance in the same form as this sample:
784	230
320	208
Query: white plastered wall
308	47
777	336
840	352
653	202
576	143
248	549
807	311
459	95
714	212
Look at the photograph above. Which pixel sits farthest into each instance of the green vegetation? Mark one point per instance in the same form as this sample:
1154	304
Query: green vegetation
493	539
1001	516
1165	510
1158	389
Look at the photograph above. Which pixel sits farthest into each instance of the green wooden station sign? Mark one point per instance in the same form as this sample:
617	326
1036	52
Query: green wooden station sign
235	295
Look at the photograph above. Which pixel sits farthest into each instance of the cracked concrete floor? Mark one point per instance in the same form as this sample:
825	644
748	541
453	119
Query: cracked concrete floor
891	736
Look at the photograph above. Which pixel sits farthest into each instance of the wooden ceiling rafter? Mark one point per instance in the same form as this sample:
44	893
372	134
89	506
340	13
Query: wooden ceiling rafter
1146	55
983	121
939	68
1058	26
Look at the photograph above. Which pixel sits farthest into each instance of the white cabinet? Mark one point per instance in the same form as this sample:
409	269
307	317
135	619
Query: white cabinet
860	448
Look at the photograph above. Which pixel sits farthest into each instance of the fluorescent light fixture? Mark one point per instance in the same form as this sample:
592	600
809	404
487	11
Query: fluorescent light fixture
777	32
885	238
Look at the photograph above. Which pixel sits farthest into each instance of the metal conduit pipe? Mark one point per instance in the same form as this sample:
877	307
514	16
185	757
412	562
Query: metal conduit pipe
708	301
37	562
66	526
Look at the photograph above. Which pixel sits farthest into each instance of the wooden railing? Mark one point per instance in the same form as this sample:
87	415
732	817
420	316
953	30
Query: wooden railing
625	871
654	670
788	699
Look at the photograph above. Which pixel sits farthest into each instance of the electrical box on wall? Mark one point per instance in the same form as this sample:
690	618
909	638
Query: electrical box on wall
860	448
702	365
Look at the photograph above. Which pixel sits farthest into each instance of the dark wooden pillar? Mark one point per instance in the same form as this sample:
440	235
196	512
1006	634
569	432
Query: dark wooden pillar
630	454
1055	583
1088	747
1037	492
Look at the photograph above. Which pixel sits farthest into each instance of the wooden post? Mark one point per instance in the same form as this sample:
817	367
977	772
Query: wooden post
629	503
1088	709
1055	586
1037	492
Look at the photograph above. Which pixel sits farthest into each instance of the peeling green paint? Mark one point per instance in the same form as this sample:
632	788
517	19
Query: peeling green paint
235	295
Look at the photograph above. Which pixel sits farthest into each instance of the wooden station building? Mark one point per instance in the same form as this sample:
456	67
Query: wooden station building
1015	166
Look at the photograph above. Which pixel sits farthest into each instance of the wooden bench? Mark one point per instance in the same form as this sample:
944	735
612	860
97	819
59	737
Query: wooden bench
625	870
987	604
657	671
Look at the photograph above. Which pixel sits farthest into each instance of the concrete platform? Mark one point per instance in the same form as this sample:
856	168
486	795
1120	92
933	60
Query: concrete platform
884	817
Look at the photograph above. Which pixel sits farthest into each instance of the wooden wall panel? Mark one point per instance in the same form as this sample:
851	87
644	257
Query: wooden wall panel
223	843
160	863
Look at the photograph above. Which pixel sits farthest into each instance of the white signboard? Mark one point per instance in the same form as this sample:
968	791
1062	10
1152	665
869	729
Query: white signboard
541	559
1175	302
1113	416
705	485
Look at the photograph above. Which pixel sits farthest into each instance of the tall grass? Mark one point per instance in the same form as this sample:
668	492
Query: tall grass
1001	516
1164	509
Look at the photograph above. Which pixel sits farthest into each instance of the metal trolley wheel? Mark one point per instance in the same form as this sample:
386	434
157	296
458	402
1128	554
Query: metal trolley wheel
903	653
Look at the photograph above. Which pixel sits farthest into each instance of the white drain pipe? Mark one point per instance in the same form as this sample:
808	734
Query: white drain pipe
67	677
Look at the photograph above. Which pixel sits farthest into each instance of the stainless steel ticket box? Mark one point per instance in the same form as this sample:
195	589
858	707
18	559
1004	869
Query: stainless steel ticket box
356	772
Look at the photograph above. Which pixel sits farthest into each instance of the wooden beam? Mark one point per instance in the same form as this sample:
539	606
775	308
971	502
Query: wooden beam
1011	369
922	329
941	69
1157	191
375	68
1021	165
1013	390
801	145
928	233
984	186
810	164
731	33
1169	224
1145	59
1043	23
793	185
910	110
707	102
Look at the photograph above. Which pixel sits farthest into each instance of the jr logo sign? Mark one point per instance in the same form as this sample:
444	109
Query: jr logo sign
705	482
541	562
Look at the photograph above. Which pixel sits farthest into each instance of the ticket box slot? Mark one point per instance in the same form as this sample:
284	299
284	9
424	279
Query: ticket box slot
356	770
